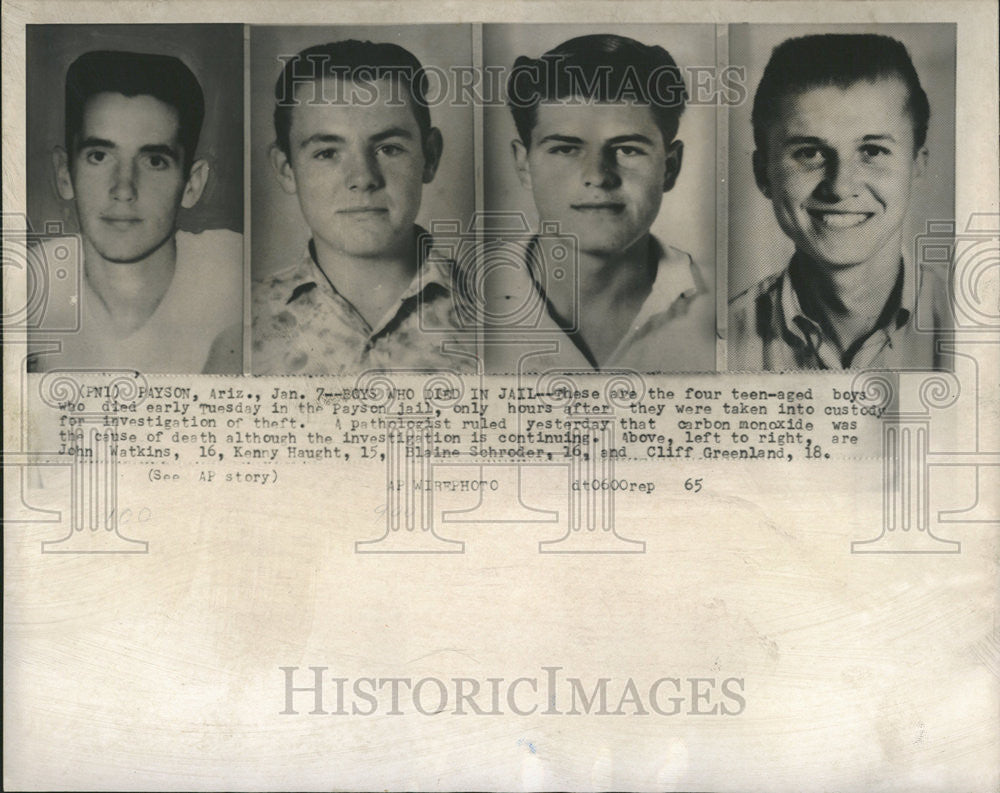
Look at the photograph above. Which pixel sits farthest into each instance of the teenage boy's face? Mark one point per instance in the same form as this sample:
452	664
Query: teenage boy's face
600	169
126	175
358	169
839	168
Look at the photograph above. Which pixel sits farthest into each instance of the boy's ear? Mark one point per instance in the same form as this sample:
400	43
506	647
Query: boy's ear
283	169
760	173
196	182
920	163
433	147
64	181
672	165
521	162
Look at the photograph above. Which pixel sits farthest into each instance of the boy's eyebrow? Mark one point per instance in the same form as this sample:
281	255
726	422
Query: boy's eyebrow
329	137
560	139
633	138
797	140
160	148
321	137
392	132
96	143
617	140
149	148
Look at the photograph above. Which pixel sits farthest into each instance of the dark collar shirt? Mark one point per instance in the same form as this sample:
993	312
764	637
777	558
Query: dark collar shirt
303	325
770	331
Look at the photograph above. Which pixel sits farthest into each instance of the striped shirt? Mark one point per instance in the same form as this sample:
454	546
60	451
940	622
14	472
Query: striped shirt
769	330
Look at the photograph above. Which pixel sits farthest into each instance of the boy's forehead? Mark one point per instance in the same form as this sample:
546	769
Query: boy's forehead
589	117
347	108
332	91
112	115
867	107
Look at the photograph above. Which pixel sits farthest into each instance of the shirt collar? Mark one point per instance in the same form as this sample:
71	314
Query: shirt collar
435	272
806	329
673	280
908	296
796	322
436	267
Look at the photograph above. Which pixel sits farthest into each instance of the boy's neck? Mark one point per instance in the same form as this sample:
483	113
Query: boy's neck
848	302
620	279
612	290
370	284
130	292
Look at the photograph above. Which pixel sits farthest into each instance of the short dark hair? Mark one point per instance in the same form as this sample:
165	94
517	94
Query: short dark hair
351	60
841	60
603	67
163	77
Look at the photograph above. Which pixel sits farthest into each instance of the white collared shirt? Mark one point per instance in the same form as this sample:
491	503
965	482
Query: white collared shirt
673	331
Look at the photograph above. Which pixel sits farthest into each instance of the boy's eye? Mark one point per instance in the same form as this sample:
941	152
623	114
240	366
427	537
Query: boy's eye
629	151
158	162
809	156
95	156
390	150
325	154
564	148
872	151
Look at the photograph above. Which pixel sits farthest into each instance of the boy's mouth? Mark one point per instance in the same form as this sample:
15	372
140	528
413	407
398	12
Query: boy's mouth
362	210
609	207
839	220
121	223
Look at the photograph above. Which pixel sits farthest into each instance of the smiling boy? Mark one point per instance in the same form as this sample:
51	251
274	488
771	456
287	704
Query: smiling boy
154	299
355	145
597	119
840	126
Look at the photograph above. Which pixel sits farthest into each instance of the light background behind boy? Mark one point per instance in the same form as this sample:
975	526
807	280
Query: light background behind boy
687	214
278	225
757	246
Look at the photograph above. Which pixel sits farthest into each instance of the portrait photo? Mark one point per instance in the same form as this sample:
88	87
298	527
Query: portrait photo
361	149
840	161
600	177
135	196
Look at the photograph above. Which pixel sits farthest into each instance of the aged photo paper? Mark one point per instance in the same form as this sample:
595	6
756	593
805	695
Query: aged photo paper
530	396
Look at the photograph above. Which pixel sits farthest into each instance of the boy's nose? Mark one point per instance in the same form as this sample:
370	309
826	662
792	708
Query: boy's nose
842	179
363	172
123	187
599	170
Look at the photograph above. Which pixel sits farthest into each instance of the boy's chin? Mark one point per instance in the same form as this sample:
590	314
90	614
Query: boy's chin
127	254
850	253
837	259
848	248
373	245
605	247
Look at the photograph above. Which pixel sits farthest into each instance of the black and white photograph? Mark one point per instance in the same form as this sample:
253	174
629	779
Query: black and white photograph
575	395
603	156
838	162
359	147
135	147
